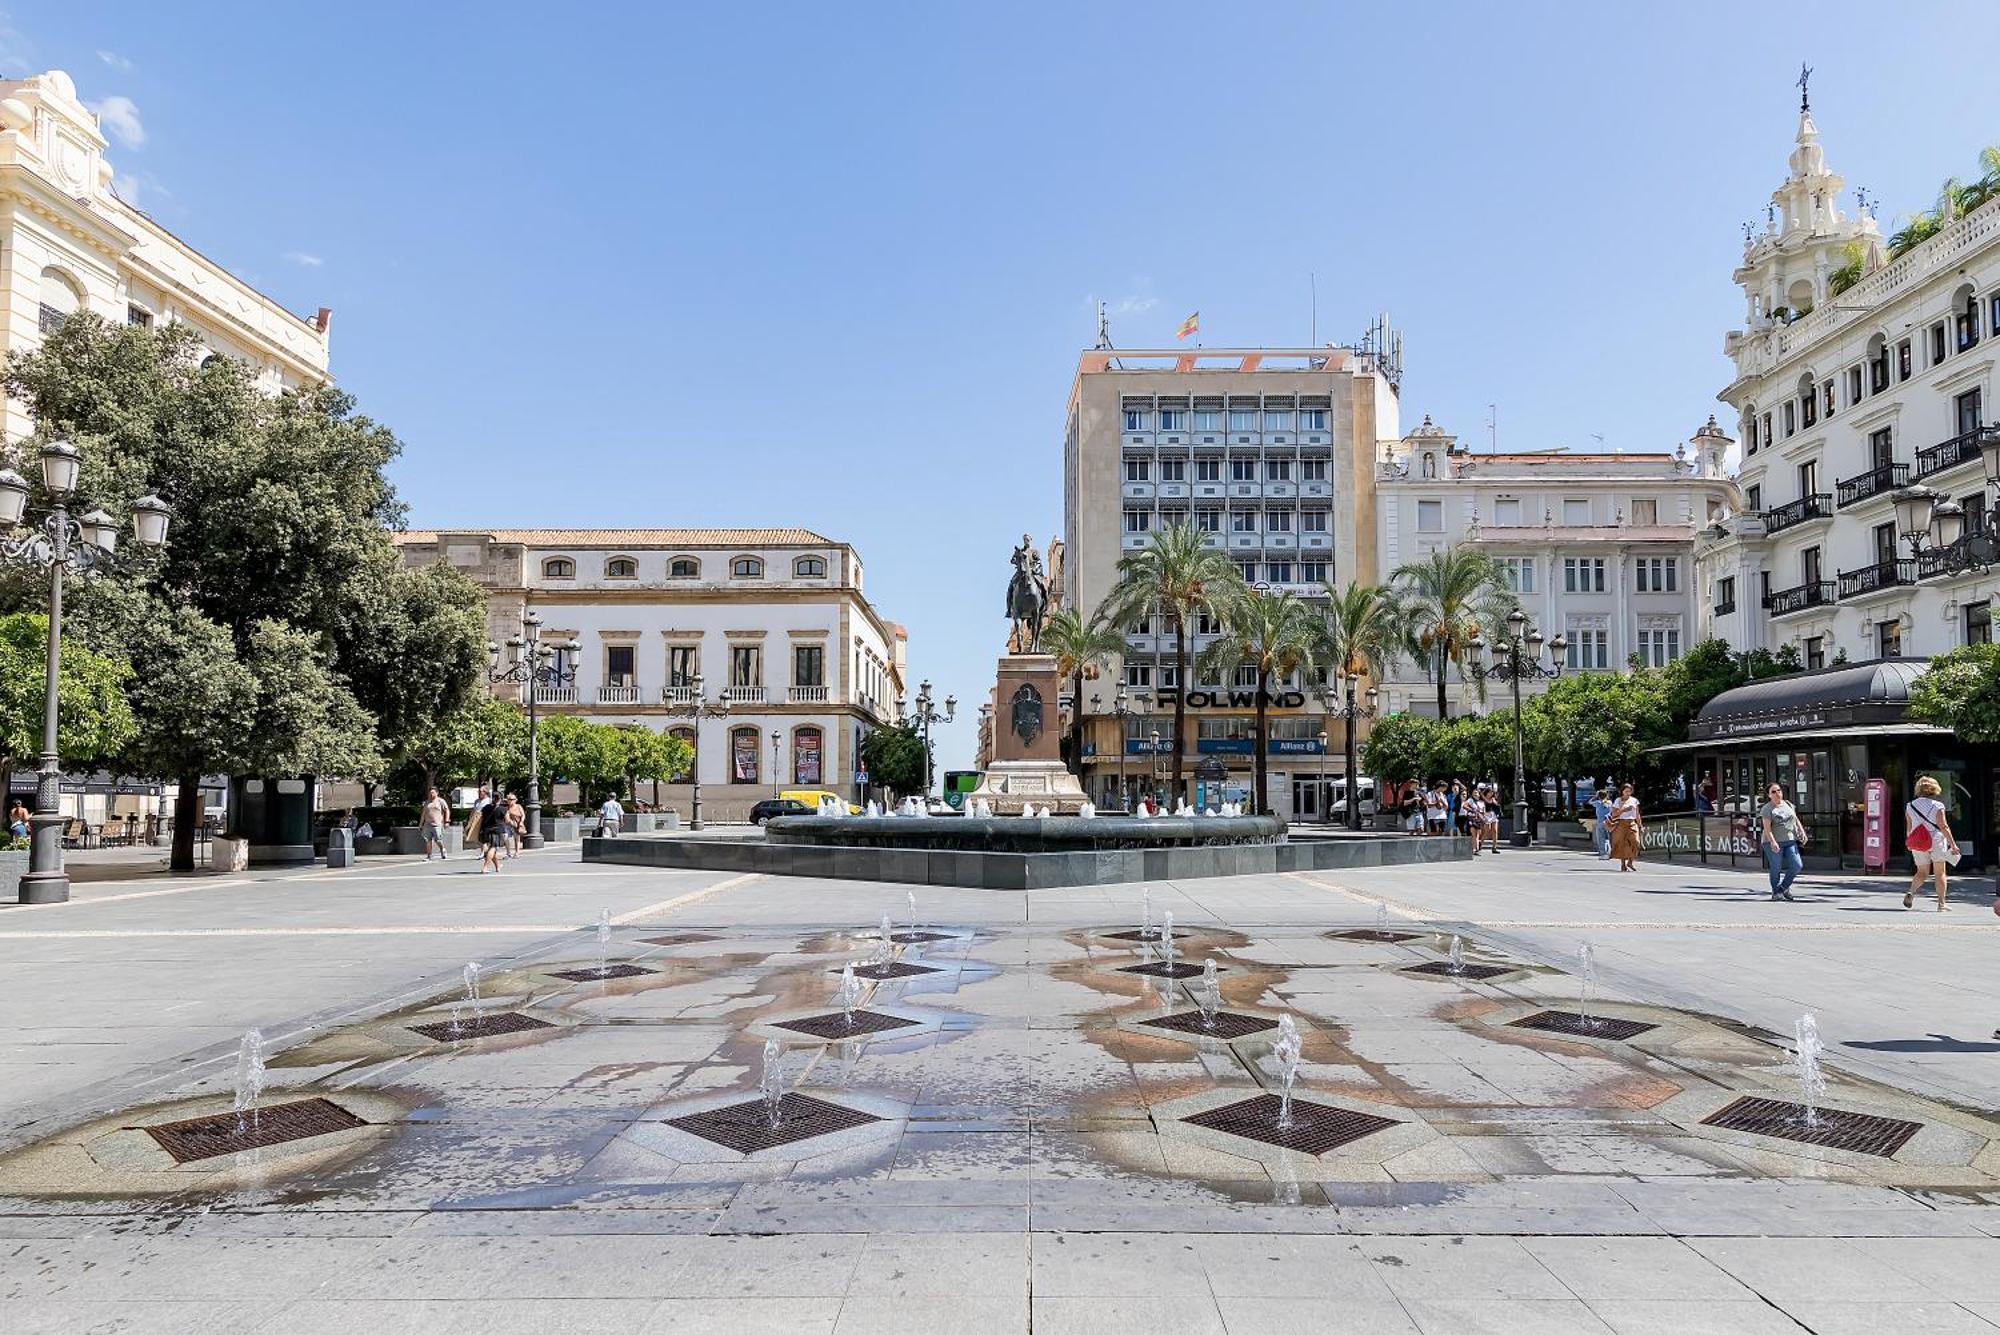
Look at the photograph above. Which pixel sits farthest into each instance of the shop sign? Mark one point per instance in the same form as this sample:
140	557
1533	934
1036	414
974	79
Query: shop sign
1296	746
1689	836
1245	698
1226	746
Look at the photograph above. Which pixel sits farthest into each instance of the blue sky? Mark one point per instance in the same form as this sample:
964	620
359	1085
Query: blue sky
831	265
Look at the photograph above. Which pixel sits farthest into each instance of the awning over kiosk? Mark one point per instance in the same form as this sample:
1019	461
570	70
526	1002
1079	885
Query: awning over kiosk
1832	701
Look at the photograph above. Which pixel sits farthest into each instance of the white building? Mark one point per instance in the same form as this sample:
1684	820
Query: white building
1845	395
68	243
1598	547
774	621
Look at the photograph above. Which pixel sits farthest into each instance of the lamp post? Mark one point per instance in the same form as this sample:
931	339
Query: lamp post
775	735
1349	712
925	716
61	545
1510	664
533	663
692	703
1325	787
1155	760
1941	534
1121	707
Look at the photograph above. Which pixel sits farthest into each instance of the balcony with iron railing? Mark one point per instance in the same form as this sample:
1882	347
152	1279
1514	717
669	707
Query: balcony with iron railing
1877	481
806	695
618	695
1818	505
1724	606
1888	574
743	695
1804	597
1960	450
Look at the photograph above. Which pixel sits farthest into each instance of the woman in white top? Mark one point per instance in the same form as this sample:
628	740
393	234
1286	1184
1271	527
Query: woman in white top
1927	835
1627	826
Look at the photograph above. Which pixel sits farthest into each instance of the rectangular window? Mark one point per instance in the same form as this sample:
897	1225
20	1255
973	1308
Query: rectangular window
1138	470
1278	521
1507	512
1979	623
1242	419
1312	521
1888	639
1881	453
1312	470
1854	384
1242	521
1138	521
1430	516
683	664
1808	408
746	665
1657	574
1139	674
1517	572
1808	478
1645	511
1903	360
1966	407
1725	592
1134	420
1826	399
1206	623
1753	498
1208	521
1583	574
1576	511
1173	470
1791	417
1277	421
1312	419
1208	470
1659	644
1312	572
1885	543
1878	372
1242	470
1247	569
1765	433
1245	677
1279	572
1750	433
1277	470
1763	588
808	665
1811	569
1815	652
1937	354
138	317
1589	647
1207	419
618	664
1173	419
1974	506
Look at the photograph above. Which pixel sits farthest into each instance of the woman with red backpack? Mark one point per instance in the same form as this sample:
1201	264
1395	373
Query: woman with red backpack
1927	834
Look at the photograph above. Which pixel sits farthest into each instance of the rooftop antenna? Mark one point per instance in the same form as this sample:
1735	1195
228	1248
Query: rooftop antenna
1805	76
1598	438
1313	278
1493	428
1103	328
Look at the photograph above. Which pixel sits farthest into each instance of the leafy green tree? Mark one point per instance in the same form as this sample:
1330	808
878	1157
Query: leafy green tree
895	758
1177	576
1477	747
574	750
95	722
655	756
1961	691
1401	747
1594	722
1276	635
1440	602
1080	646
483	738
421	657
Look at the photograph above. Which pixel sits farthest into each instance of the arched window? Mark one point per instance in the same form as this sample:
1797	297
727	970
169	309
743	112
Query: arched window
809	567
60	299
687	735
808	757
558	567
746	567
621	567
743	752
683	567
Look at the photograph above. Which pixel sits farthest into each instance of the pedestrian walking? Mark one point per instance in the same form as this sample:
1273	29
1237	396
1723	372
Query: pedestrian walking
434	815
1627	826
1492	818
1783	836
1927	835
1475	819
17	820
517	824
489	825
1434	809
1601	834
611	817
1455	807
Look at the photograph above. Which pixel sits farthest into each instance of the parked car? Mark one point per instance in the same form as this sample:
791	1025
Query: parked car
779	806
811	798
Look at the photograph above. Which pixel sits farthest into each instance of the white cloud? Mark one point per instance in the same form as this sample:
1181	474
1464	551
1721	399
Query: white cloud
303	259
132	185
120	118
115	61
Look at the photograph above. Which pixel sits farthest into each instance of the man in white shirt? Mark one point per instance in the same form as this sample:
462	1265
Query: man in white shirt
612	816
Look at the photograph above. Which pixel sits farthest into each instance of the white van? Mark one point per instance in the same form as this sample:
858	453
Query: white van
1337	797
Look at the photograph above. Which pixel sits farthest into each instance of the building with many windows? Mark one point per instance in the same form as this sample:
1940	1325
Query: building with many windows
773	620
1853	382
68	243
1269	452
1598	547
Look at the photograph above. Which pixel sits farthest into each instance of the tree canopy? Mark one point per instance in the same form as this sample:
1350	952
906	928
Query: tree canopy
895	758
95	724
1961	691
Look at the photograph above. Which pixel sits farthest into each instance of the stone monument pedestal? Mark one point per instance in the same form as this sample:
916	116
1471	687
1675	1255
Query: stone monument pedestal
1027	768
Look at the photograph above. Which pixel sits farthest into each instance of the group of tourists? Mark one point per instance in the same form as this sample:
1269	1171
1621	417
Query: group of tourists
1927	837
1470	810
1620	826
495	827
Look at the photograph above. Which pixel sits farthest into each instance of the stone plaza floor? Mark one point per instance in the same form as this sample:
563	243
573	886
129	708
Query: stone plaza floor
1022	1133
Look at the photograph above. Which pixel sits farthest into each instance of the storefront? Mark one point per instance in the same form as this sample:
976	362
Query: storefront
1823	735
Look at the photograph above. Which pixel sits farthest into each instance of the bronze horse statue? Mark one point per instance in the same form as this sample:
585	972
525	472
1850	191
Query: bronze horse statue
1027	599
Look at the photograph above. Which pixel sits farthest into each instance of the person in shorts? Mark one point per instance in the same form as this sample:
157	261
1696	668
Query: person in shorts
434	815
1927	835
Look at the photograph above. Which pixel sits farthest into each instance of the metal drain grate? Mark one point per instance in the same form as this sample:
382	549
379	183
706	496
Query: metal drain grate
1228	1024
835	1026
1140	934
1442	968
918	938
1315	1129
1858	1133
1582	1026
224	1133
746	1127
675	939
481	1026
1370	934
600	975
1162	969
897	969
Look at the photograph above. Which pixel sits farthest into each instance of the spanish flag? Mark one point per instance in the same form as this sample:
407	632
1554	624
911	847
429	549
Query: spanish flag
1190	325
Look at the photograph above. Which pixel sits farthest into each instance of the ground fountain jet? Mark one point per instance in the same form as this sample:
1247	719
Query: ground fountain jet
1167	939
249	1079
1287	1050
1209	996
1587	971
1457	955
771	1083
468	1002
603	942
885	945
1145	913
1382	922
1805	1064
913	910
850	992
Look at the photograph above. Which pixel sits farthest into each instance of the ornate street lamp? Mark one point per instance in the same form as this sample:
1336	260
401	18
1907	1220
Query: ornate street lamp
925	716
692	703
1348	712
61	545
1514	658
775	736
532	663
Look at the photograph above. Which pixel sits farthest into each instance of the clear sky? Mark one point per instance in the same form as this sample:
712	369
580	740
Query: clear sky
831	265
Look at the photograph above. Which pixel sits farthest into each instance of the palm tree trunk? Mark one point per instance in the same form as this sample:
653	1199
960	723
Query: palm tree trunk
1260	763
1180	697
1076	722
1442	664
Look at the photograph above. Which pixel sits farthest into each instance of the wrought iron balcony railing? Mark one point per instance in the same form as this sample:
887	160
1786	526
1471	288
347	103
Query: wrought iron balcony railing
1872	579
1817	593
1819	505
1876	481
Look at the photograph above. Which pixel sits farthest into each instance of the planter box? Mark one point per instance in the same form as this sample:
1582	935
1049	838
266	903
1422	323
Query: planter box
647	822
13	866
226	854
380	845
562	829
410	838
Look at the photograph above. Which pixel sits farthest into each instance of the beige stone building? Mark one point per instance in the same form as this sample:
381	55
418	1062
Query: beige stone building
68	243
773	619
1271	453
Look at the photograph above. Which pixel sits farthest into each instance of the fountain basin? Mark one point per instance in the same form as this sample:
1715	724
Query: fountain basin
1020	853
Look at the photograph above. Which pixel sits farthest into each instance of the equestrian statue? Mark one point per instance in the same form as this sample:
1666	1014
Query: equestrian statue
1027	599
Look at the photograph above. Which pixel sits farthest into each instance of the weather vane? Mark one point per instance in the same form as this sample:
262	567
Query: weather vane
1805	75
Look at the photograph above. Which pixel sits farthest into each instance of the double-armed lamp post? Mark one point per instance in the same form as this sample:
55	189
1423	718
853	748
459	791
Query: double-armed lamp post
61	546
1516	657
533	663
1940	532
1349	712
691	702
925	716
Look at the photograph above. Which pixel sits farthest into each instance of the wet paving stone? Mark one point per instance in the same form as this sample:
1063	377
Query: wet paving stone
1857	1133
918	938
1316	1127
746	1127
835	1025
1583	1026
896	969
1228	1024
1162	969
1370	934
480	1026
600	975
199	1138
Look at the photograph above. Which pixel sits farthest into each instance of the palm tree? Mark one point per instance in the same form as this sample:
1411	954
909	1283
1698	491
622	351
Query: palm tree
1176	576
1357	633
1079	645
1917	228
1438	603
1277	635
1853	259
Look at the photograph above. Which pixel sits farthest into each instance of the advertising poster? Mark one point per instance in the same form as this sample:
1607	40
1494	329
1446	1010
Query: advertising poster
1875	826
805	758
743	760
